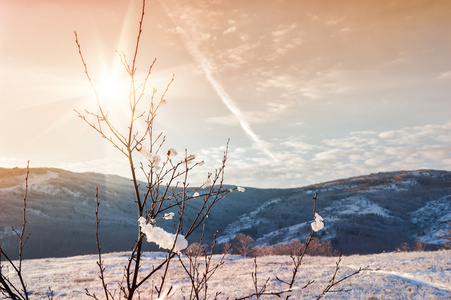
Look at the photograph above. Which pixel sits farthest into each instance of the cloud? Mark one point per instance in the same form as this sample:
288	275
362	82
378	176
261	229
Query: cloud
10	162
252	117
230	30
235	58
282	81
361	152
273	113
418	134
335	21
284	39
283	30
192	29
444	75
302	85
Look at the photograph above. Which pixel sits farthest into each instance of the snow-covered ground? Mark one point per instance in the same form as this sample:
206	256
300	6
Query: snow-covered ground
404	275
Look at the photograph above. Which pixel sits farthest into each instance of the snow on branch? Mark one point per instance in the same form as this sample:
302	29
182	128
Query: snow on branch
162	238
154	159
318	224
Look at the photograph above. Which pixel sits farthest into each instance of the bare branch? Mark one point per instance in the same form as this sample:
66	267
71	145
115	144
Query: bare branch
333	282
108	294
6	286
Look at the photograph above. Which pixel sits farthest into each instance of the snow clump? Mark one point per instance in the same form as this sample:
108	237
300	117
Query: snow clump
187	160
168	216
154	159
171	152
162	238
318	224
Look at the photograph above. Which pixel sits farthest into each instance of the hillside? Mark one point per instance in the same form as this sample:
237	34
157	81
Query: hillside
366	214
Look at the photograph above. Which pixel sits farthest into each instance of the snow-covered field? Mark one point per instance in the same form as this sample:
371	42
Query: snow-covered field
403	275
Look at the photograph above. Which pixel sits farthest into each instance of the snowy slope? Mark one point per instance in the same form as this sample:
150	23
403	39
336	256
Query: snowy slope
412	275
364	214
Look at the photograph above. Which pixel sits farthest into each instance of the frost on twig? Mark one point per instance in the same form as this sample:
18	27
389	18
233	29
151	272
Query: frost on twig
207	182
168	216
187	160
163	239
171	152
153	158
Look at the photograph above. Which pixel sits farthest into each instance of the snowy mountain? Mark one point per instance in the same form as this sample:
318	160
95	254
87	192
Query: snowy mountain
366	214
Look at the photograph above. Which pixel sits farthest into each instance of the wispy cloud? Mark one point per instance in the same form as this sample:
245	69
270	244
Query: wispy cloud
230	30
207	65
444	75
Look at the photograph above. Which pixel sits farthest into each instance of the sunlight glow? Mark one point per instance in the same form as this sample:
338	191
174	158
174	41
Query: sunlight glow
112	89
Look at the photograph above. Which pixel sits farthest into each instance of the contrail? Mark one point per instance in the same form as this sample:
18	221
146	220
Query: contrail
205	64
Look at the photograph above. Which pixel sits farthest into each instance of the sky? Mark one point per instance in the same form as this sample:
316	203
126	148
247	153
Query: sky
306	91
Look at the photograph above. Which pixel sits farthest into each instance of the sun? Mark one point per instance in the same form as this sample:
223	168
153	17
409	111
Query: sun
112	89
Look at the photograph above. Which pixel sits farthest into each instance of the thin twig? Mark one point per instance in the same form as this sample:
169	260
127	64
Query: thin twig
333	282
6	286
99	250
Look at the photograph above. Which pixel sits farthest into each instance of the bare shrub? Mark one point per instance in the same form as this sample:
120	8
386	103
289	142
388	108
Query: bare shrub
404	247
419	245
226	248
265	250
242	245
320	248
196	249
294	247
316	248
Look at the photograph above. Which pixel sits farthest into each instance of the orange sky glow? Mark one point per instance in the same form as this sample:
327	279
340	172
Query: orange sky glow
307	91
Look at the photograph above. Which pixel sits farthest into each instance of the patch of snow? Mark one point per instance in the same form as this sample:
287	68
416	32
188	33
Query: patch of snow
7	231
288	234
433	217
36	212
245	221
75	194
358	205
401	186
426	173
38	179
48	189
415	280
12	189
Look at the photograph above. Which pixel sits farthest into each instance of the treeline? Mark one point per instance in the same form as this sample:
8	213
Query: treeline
242	245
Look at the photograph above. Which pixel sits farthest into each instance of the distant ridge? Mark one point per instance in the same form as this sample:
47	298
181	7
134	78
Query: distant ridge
363	214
